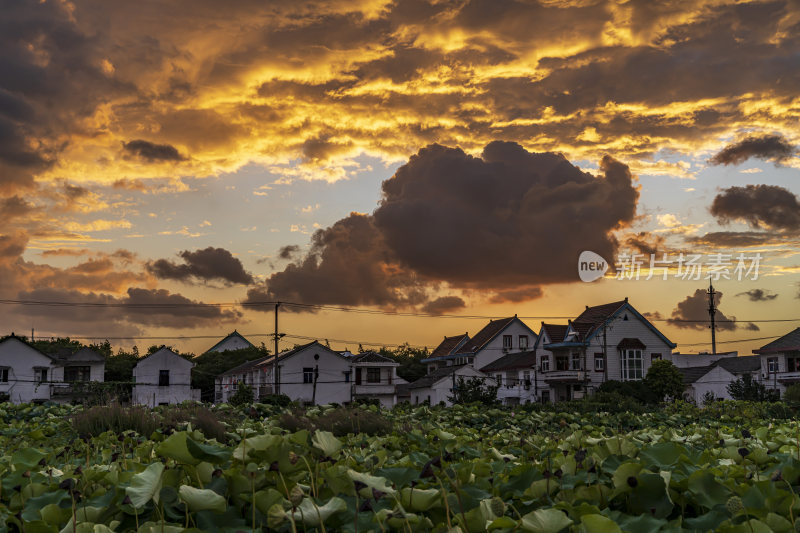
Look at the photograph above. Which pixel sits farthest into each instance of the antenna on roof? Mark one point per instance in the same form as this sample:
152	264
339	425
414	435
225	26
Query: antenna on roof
626	299
587	307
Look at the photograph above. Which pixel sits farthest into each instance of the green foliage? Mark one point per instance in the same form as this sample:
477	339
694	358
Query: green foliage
97	420
637	390
708	398
747	389
474	390
242	396
792	394
664	380
339	421
411	366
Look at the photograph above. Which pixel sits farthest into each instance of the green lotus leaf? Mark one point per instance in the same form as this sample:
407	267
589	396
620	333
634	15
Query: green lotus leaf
312	515
326	442
145	486
596	523
176	447
420	499
207	452
545	521
202	499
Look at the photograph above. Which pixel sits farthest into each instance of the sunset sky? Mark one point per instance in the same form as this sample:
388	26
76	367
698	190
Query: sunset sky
415	157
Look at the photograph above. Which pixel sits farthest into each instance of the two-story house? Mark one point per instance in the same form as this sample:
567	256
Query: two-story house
605	342
29	375
163	378
375	377
496	339
515	376
780	362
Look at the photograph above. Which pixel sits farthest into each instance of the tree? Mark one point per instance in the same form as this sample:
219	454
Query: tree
746	388
665	380
209	365
792	394
242	396
411	366
474	390
636	390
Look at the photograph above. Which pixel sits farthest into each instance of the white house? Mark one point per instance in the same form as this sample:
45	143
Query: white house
163	378
30	375
514	374
437	387
375	377
714	379
606	342
497	338
234	341
25	372
780	362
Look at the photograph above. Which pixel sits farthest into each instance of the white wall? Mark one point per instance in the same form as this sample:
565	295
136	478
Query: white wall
715	381
332	368
494	348
443	389
146	375
516	393
21	359
230	344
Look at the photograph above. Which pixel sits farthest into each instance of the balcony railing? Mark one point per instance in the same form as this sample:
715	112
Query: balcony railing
565	375
366	389
785	377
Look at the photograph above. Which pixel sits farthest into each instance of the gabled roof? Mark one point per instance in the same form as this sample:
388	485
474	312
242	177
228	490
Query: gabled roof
740	365
26	343
433	377
372	357
484	336
693	373
790	341
596	313
162	349
450	345
234	334
247	365
555	332
82	355
268	360
599	313
513	360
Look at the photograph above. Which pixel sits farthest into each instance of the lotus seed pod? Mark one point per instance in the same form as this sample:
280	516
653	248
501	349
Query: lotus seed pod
498	506
734	505
296	495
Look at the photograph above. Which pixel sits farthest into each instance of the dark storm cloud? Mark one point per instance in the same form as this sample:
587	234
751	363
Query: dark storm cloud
692	313
758	295
288	251
12	246
734	239
444	304
208	264
152	152
517	295
14	207
758	205
468	221
645	243
767	147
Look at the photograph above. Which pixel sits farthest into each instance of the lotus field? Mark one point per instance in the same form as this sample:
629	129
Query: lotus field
463	469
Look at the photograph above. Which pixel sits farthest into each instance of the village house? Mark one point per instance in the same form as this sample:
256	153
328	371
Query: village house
780	362
29	375
232	342
712	380
313	373
605	342
514	375
496	339
163	378
437	387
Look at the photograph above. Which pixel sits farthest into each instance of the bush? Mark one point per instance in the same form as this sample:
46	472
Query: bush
279	400
242	396
747	389
792	394
664	380
339	421
631	389
96	420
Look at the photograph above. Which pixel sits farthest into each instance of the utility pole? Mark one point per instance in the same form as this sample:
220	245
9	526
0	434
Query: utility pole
314	388
712	310
277	383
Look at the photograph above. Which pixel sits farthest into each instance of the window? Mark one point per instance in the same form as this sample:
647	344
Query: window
599	362
508	342
562	362
470	360
308	375
389	375
41	375
575	362
163	378
523	342
655	356
499	379
545	396
347	377
526	377
793	364
772	365
631	365
76	373
545	363
3	375
374	375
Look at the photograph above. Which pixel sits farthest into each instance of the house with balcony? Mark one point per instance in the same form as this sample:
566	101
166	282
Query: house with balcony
437	387
163	378
496	339
515	376
375	377
780	362
605	342
73	370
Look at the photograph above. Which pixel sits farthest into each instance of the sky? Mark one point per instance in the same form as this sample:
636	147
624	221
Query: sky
423	164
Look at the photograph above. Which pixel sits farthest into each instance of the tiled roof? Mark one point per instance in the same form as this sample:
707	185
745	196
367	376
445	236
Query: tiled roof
790	341
372	357
599	313
692	374
583	328
433	377
739	365
489	331
555	332
512	360
449	345
247	365
84	354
